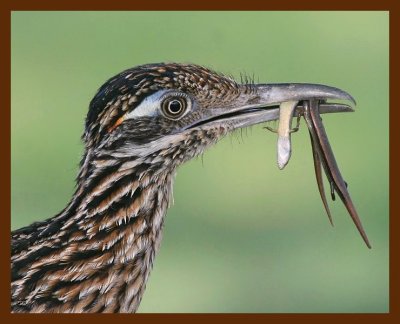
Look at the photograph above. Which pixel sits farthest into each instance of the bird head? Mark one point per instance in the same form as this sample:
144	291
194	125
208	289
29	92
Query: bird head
177	110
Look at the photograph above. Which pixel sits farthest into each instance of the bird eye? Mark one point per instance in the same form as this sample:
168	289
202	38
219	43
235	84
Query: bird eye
174	107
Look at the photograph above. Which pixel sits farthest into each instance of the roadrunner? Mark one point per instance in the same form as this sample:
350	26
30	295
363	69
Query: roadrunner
96	255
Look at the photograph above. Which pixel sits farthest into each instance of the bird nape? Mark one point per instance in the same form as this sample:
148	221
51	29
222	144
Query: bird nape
96	254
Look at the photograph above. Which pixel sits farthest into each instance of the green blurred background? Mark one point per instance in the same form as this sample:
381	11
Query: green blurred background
242	235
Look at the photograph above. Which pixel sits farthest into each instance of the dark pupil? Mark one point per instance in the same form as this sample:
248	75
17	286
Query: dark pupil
175	106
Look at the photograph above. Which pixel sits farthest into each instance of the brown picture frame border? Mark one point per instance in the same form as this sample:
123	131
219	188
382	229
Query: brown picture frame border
6	9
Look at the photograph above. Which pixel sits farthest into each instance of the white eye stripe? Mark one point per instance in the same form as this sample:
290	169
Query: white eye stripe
149	107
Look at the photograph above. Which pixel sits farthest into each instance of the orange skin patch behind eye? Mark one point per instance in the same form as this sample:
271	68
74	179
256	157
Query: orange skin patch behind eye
116	124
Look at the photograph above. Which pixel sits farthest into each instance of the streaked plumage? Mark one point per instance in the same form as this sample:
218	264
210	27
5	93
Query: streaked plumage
96	255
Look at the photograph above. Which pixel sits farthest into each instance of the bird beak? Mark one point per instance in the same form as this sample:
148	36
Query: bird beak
266	102
263	102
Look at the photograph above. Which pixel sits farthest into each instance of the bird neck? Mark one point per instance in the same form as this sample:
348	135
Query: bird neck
96	255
